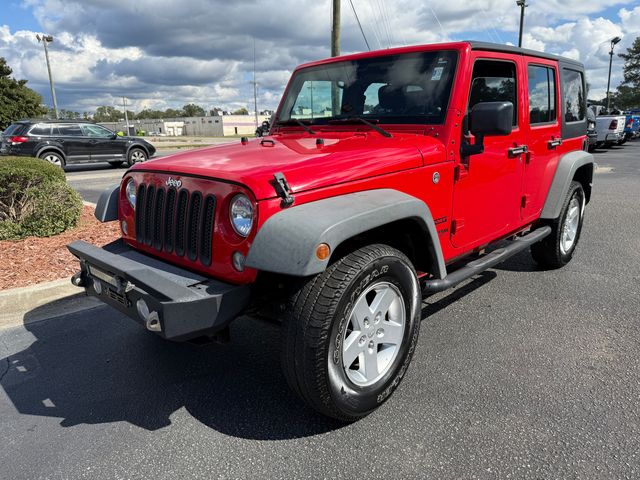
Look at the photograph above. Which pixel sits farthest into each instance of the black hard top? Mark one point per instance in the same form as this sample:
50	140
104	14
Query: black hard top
496	47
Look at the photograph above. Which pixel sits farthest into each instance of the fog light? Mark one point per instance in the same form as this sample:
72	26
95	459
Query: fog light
125	228
97	286
238	261
151	319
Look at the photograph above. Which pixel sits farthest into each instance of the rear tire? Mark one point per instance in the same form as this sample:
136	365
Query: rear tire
54	158
350	332
556	250
136	155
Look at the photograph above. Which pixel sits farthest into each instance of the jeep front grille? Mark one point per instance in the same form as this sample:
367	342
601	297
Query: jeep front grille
176	221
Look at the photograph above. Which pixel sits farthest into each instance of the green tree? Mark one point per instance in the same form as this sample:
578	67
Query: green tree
628	93
16	99
193	110
107	113
241	111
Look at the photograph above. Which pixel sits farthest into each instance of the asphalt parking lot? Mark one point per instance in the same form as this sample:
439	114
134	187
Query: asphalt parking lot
519	373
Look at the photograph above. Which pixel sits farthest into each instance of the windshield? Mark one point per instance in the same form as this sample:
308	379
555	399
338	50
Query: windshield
407	88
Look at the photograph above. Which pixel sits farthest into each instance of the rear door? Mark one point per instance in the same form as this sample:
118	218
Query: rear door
74	143
543	131
486	202
103	144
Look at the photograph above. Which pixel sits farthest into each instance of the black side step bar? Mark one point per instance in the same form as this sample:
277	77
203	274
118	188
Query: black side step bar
489	260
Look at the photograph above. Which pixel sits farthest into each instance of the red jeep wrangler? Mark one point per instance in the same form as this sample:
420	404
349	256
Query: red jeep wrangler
387	176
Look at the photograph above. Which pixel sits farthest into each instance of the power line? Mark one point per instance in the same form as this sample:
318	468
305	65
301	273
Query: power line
374	25
360	25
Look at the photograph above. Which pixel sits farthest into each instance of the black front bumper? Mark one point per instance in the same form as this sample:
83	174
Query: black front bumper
180	305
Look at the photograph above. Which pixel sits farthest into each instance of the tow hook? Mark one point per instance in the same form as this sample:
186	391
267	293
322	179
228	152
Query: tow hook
78	280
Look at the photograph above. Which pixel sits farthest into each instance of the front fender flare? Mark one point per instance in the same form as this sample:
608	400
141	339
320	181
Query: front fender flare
287	241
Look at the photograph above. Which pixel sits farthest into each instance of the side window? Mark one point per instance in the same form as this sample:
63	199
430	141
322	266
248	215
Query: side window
70	130
96	131
573	96
542	94
314	100
41	129
494	81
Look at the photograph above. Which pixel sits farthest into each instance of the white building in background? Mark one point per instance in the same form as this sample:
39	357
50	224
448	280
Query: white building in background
211	126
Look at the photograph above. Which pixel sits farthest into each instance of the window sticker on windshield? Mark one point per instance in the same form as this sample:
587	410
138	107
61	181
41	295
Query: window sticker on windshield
437	73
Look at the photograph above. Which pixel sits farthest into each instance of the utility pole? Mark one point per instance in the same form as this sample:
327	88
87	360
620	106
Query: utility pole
48	39
126	117
614	41
335	29
335	51
255	84
522	6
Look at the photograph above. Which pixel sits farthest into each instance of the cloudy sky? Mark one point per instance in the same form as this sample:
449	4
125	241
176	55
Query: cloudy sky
161	53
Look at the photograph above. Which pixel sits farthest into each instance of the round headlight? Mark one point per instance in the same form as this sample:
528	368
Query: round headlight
130	191
241	214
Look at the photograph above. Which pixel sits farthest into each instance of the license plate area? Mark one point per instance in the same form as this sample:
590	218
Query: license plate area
104	276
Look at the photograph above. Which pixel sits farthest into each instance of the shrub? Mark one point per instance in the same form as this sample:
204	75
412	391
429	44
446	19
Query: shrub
35	199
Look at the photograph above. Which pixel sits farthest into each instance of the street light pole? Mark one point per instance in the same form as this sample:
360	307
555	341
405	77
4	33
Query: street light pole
48	39
522	6
614	41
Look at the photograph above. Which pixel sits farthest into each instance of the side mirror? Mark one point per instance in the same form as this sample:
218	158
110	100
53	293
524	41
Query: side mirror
487	119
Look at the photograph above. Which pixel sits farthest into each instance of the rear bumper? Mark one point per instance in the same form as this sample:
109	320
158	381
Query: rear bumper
174	303
612	137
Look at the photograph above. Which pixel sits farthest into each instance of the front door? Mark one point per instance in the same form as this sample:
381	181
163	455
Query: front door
487	192
104	145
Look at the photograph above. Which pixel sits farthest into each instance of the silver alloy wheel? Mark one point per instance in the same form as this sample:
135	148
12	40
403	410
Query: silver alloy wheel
137	156
53	158
570	226
373	337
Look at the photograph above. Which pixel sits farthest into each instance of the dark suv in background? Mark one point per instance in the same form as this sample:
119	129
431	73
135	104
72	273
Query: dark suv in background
64	142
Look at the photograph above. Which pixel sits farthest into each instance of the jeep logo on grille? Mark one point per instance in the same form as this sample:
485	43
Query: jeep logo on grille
172	182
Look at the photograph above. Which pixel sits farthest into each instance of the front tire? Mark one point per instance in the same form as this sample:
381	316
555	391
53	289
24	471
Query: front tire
556	250
136	155
350	332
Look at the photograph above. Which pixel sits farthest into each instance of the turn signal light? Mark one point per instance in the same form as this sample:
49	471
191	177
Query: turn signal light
322	251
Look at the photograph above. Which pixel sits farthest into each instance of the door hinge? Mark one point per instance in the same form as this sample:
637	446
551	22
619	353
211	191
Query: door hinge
282	189
460	172
524	201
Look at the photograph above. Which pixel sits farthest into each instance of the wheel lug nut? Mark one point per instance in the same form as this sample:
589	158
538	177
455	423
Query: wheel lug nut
378	317
362	340
366	323
371	345
380	332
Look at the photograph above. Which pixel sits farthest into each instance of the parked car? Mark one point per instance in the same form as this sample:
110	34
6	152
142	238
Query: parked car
610	128
63	142
428	166
631	127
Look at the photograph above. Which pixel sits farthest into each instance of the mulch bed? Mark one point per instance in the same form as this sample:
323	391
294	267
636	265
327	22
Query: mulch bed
35	260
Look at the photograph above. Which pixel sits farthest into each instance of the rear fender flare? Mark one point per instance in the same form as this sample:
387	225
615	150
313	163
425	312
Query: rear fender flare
565	173
286	243
50	148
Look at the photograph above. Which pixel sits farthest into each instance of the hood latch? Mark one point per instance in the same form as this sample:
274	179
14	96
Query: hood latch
283	190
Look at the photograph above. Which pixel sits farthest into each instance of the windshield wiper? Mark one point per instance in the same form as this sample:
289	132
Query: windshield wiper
291	121
378	129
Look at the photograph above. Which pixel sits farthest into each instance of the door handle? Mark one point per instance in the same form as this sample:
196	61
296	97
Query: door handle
554	143
517	151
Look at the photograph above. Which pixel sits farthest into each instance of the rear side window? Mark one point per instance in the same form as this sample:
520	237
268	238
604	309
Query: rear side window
41	129
70	130
13	129
542	94
574	99
494	81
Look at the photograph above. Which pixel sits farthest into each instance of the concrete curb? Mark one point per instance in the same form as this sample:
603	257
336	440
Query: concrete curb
20	306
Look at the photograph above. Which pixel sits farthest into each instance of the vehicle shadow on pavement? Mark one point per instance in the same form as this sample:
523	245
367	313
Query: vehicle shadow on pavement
96	366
